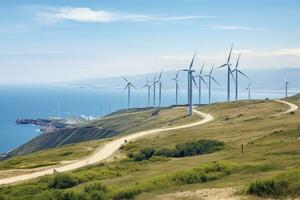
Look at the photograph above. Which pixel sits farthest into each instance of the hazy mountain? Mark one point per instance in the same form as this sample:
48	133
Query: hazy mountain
261	79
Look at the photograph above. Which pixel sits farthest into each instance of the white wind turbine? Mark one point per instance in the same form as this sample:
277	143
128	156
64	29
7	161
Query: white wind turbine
159	89
191	79
128	87
249	90
200	79
229	73
148	86
210	77
237	72
176	87
154	88
286	87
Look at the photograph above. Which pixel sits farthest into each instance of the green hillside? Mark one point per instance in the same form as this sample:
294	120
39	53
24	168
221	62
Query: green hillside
166	165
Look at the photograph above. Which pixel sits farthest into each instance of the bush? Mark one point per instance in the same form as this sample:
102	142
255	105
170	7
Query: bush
62	181
181	150
287	183
94	187
211	172
129	193
268	187
144	154
192	148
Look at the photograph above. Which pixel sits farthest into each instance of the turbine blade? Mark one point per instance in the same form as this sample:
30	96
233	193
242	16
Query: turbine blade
126	86
203	81
192	63
160	75
242	73
222	66
238	60
194	81
228	60
154	77
125	78
232	76
132	85
202	69
211	70
177	74
215	80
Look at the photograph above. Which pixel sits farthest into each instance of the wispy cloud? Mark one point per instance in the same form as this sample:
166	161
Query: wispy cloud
81	14
236	28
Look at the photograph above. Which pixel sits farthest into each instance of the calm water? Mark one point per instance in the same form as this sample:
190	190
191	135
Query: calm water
52	101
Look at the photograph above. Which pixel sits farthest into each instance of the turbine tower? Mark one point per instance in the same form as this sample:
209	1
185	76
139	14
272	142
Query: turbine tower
159	89
128	87
286	87
237	72
191	79
200	79
154	87
176	87
249	90
229	73
210	77
148	86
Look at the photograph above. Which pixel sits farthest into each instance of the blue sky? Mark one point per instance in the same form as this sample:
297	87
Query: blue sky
50	41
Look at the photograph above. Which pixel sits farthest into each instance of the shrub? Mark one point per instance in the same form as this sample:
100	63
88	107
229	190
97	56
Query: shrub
129	193
94	187
287	183
144	154
268	187
62	181
192	148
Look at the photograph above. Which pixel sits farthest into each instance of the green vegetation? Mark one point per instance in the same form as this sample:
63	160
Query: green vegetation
51	156
270	160
287	183
62	181
192	148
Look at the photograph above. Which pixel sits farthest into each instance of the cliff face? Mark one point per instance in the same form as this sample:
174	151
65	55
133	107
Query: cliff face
61	137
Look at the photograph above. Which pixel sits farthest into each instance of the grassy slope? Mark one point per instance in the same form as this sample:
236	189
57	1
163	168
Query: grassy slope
123	122
270	143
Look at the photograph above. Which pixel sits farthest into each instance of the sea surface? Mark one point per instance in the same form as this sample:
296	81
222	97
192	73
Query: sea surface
67	101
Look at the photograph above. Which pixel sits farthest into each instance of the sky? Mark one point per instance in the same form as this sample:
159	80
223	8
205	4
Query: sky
56	41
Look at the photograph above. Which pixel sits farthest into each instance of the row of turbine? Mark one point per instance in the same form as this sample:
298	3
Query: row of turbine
234	74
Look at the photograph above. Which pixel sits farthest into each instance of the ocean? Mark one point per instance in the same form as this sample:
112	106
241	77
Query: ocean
66	101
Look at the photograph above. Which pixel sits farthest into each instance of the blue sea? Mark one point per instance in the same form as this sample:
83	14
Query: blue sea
66	101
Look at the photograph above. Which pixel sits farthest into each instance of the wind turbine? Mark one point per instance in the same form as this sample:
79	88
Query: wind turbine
159	89
210	77
128	87
200	79
148	88
154	87
191	79
176	86
229	72
249	90
237	72
286	87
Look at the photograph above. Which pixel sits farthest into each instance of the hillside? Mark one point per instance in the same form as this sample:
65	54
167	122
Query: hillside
151	168
115	124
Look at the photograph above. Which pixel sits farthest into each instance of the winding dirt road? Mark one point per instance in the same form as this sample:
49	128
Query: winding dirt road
292	106
103	153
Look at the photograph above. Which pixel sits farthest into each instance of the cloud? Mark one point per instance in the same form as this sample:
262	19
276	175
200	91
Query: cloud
236	28
80	14
288	52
